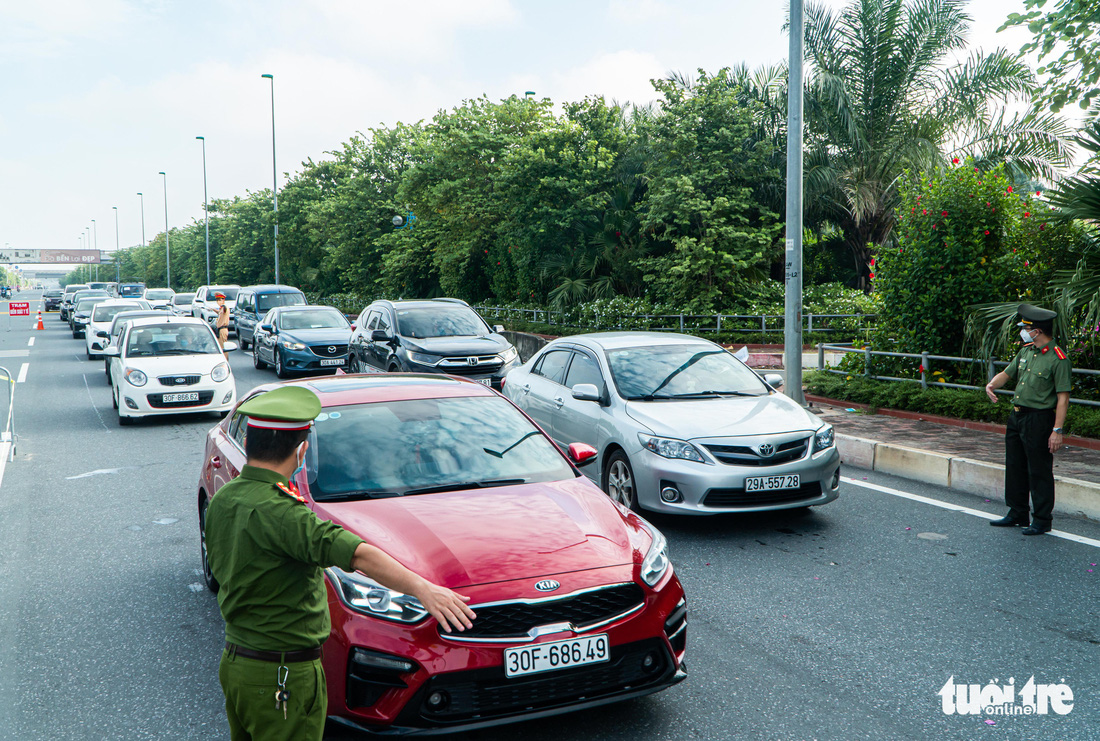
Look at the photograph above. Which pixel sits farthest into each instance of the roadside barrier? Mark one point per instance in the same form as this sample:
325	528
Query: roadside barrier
7	437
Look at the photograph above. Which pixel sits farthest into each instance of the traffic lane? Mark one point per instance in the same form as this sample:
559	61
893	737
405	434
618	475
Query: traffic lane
105	633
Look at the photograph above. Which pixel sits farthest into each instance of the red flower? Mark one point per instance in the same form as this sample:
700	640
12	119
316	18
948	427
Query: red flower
1038	193
486	252
618	234
975	169
1010	189
924	212
1042	227
498	262
955	161
943	213
988	203
933	226
871	275
987	231
913	210
872	262
1027	214
1027	263
918	197
920	368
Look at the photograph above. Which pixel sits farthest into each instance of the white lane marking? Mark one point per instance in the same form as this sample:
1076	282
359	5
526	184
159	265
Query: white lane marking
5	451
966	510
23	372
97	472
94	407
30	342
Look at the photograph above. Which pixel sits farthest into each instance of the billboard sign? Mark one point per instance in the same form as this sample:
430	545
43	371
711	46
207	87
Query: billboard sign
49	257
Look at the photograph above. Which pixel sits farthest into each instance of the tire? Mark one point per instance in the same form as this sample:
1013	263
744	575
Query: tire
114	399
618	480
207	575
256	362
280	370
242	343
92	357
353	364
76	335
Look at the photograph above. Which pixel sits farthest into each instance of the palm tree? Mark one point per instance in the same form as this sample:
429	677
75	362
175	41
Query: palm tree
883	98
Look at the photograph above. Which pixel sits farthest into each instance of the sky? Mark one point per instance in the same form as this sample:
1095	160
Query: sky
98	96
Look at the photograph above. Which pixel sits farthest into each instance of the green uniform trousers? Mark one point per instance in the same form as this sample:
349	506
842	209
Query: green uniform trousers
249	686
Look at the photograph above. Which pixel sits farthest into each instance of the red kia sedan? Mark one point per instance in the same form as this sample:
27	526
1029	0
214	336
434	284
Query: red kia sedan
577	603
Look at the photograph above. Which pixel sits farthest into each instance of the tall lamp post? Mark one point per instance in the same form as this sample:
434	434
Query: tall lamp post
118	274
792	315
145	268
167	248
206	207
274	176
95	246
88	246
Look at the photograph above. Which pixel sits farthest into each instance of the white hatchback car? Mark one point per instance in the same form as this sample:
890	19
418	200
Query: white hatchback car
159	298
169	365
97	333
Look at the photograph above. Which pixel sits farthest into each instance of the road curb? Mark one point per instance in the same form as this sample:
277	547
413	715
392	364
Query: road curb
1073	497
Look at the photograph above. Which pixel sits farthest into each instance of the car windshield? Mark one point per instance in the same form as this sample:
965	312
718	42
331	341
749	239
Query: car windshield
86	304
421	446
268	301
110	311
51	294
681	372
441	321
229	293
131	291
312	319
170	339
182	298
158	294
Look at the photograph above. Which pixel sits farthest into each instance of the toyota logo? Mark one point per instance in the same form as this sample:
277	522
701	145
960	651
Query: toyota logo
332	349
766	450
547	585
473	361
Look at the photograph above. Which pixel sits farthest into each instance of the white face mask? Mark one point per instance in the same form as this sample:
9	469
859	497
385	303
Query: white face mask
1025	335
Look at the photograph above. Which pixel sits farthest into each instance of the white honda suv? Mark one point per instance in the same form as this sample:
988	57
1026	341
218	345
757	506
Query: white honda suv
169	365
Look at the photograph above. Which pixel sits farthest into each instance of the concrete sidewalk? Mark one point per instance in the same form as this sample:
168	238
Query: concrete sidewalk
967	460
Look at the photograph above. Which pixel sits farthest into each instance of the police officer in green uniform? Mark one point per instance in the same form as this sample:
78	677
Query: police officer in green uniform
266	549
1042	373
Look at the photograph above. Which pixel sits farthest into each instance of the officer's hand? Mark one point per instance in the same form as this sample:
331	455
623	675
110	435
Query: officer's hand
990	393
1055	441
448	607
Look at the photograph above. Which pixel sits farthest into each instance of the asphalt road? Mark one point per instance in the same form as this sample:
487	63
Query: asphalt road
843	623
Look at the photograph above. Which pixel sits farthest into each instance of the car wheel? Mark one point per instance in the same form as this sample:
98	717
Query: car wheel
618	480
256	362
207	575
92	357
243	343
393	368
280	370
353	364
114	399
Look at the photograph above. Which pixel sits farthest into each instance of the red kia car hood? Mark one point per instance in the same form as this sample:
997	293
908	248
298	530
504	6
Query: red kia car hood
467	538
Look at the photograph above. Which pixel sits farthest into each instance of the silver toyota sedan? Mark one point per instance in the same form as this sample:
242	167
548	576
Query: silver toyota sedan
681	425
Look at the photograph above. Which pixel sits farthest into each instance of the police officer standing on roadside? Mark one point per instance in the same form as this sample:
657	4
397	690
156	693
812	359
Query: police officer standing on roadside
1042	373
266	550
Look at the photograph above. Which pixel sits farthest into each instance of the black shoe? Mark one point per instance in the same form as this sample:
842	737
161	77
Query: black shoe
1009	521
1034	529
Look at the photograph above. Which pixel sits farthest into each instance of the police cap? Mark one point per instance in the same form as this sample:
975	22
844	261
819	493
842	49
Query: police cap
282	408
1034	317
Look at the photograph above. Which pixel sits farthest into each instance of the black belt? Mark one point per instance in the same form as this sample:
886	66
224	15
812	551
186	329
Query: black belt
278	657
1029	410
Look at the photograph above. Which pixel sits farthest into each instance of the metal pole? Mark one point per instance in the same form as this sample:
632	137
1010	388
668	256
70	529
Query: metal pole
145	268
206	207
792	315
95	237
167	248
274	176
118	276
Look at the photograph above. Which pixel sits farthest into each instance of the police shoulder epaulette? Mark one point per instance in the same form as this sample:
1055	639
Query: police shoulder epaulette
1060	353
291	491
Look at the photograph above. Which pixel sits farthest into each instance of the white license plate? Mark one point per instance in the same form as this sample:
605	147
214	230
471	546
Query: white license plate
332	361
770	483
484	381
189	396
556	655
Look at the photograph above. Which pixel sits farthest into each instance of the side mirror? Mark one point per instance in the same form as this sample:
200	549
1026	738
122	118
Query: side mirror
353	328
774	380
581	454
586	392
101	333
112	351
229	346
498	328
267	328
380	335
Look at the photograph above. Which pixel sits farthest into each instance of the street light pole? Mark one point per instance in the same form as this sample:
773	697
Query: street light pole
95	236
145	268
206	207
167	248
792	315
118	275
274	176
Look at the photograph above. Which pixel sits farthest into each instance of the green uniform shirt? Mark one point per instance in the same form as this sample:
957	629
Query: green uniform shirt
267	550
1040	374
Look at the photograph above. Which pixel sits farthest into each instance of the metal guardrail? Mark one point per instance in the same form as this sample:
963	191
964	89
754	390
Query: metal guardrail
755	323
8	435
925	368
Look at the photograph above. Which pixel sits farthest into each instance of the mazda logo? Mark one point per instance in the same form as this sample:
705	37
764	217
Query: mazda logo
471	361
332	349
766	450
547	585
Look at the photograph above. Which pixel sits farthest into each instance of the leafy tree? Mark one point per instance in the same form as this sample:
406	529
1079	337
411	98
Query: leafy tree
1069	27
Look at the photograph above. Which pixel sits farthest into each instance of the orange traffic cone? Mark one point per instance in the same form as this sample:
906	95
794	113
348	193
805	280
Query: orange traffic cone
40	320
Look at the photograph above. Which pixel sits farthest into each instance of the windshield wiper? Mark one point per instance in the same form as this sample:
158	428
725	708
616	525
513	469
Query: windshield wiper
713	394
648	397
355	496
465	485
181	351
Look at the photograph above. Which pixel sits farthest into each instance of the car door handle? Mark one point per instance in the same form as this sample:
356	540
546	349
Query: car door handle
216	462
526	388
559	402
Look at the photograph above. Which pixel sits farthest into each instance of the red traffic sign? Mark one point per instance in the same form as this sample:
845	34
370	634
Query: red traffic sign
19	308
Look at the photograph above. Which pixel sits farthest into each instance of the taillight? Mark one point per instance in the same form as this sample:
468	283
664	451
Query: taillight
502	380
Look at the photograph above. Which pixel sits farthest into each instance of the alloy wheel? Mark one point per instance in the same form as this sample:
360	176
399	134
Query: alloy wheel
620	482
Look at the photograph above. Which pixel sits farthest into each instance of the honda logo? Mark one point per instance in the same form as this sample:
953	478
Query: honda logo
766	450
547	585
471	361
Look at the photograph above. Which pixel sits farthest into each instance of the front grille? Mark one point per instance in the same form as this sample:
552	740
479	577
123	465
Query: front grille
742	455
157	401
329	351
485	693
741	498
460	366
515	619
178	380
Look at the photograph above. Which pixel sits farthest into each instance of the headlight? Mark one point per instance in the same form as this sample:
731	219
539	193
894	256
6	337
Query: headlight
509	355
368	597
220	372
667	448
423	358
290	345
656	562
135	377
824	439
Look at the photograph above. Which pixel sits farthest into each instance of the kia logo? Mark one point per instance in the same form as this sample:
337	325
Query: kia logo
547	585
766	450
181	381
473	361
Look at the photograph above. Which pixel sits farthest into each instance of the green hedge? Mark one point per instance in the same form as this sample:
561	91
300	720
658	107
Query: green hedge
957	403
